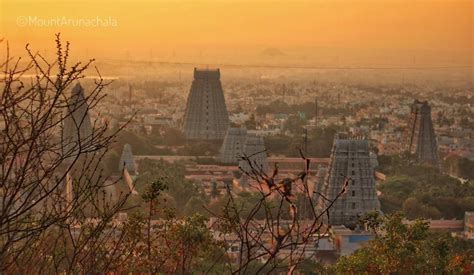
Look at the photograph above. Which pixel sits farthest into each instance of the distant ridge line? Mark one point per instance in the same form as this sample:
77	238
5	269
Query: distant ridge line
301	67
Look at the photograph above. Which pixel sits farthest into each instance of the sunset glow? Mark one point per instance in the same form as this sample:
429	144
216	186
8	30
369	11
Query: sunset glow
437	31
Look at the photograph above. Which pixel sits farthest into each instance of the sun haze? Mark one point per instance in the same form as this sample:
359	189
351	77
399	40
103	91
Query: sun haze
360	31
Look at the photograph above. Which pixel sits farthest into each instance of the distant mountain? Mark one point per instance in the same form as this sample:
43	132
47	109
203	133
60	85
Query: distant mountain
272	52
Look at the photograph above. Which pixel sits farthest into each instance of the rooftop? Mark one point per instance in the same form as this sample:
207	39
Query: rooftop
207	73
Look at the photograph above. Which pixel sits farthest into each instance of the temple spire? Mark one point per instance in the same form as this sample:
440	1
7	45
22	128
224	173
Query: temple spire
206	114
126	160
420	134
77	126
350	162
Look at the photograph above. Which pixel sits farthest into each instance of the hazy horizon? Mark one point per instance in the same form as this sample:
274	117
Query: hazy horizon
314	33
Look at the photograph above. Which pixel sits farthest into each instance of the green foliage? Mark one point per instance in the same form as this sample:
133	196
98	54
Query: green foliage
179	189
311	267
156	241
415	209
294	125
399	186
173	246
319	144
245	201
403	165
372	221
408	249
154	190
194	244
280	144
423	192
460	167
194	205
141	144
244	204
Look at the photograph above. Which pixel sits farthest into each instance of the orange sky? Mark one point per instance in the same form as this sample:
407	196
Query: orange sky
161	28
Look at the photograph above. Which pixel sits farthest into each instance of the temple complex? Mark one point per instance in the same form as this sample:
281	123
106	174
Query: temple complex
351	162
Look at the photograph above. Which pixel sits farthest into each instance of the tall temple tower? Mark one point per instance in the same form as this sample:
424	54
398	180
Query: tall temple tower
349	158
77	127
126	160
206	114
420	135
233	145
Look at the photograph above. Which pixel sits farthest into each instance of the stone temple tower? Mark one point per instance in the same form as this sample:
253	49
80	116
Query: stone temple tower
126	160
77	127
254	147
206	114
420	135
233	145
349	158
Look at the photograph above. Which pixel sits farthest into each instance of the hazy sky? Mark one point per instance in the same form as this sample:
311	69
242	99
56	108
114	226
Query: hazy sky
180	29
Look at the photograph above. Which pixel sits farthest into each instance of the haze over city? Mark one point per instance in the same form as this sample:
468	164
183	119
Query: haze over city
236	137
332	33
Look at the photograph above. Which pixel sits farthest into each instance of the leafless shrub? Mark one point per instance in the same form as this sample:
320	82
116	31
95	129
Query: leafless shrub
280	239
56	211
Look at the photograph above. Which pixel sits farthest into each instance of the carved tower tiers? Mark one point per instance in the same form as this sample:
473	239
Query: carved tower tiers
206	114
350	158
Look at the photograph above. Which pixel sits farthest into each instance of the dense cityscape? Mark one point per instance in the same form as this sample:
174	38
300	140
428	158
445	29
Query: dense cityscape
294	158
410	152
